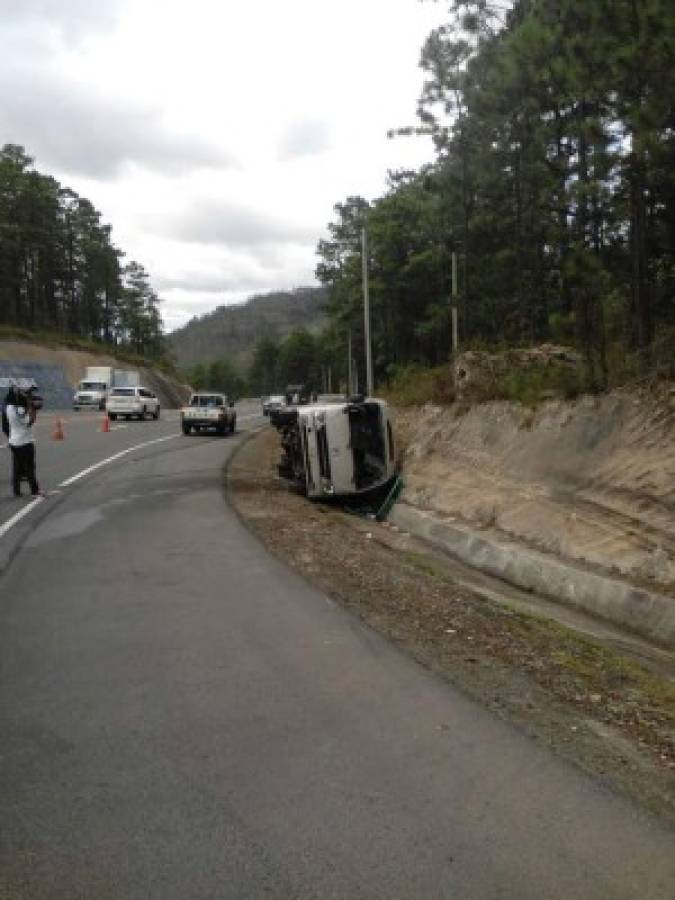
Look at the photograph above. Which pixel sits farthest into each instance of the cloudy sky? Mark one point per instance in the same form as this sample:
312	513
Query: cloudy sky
215	136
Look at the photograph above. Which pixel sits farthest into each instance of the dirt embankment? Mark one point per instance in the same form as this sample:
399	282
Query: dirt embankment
74	362
584	699
590	481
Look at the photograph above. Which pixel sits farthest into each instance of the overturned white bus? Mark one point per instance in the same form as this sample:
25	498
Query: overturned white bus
337	449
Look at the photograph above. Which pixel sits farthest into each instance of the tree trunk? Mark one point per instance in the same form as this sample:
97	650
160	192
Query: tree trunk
640	294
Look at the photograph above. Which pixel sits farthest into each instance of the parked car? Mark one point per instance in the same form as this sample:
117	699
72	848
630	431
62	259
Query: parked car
276	401
132	401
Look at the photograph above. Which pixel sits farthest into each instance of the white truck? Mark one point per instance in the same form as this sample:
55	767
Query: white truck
208	410
92	392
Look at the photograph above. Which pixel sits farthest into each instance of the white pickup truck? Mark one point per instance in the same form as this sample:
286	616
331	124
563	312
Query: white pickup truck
208	411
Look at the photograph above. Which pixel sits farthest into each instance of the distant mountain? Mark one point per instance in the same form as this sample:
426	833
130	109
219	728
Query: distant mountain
232	331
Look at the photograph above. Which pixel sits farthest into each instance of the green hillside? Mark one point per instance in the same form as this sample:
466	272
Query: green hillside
231	331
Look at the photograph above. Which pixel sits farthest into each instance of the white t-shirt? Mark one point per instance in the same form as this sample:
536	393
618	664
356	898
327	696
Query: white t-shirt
20	426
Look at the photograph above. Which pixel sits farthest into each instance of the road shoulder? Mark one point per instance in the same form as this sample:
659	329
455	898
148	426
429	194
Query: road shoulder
584	700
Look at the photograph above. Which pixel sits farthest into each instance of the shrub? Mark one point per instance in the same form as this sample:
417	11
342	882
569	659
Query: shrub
55	340
414	385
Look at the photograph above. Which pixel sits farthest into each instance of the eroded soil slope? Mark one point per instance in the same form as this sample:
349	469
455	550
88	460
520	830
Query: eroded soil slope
591	480
73	363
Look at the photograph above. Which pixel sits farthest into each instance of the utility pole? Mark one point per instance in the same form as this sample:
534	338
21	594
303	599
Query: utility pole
350	391
453	306
366	314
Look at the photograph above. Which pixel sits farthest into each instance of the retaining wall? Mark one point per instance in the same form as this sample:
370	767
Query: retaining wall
644	612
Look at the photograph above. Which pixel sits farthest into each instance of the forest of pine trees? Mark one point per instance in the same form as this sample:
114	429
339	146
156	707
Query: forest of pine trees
60	271
554	183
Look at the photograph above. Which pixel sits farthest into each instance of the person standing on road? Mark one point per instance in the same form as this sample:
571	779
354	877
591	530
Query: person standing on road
20	414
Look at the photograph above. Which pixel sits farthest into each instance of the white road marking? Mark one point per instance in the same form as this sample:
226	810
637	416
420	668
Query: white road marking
5	527
17	518
109	459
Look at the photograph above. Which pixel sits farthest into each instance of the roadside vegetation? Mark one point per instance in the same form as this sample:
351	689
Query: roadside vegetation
61	276
554	188
56	340
514	380
414	385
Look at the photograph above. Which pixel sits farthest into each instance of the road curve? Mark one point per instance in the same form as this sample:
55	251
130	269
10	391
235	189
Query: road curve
183	717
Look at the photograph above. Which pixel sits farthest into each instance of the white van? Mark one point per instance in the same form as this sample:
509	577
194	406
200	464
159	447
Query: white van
337	449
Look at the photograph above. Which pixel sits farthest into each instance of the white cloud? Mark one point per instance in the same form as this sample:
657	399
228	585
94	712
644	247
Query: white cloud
305	138
209	221
215	137
197	282
72	18
89	133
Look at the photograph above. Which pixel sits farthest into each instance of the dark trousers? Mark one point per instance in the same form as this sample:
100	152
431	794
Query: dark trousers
23	466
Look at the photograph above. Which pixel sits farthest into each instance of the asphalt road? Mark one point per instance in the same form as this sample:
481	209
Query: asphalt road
183	717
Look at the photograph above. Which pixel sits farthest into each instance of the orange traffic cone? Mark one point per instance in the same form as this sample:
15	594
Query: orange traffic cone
105	424
57	434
